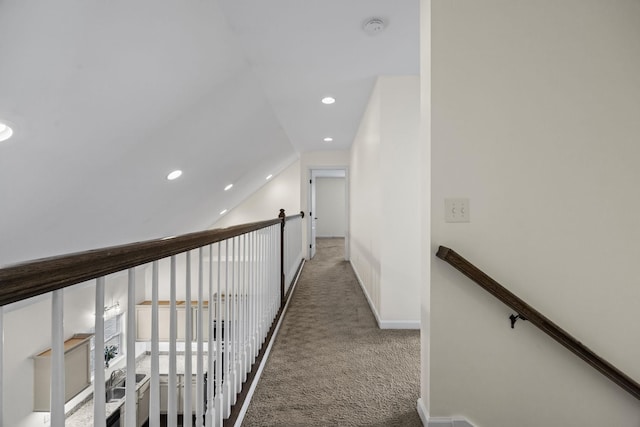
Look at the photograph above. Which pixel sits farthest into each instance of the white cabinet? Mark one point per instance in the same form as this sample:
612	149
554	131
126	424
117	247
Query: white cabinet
164	393
77	374
194	385
205	318
142	406
143	320
181	383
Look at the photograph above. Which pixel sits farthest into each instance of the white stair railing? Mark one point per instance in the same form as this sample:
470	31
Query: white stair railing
226	322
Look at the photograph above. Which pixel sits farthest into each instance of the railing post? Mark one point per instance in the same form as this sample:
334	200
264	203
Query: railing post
283	220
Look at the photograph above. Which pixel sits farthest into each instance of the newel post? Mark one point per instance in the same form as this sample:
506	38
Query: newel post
283	219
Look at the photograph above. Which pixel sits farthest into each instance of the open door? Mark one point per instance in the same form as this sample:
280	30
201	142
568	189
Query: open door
314	218
312	203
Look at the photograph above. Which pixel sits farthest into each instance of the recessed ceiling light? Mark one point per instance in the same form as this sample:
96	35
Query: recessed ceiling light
224	211
173	175
328	100
328	139
5	132
228	187
269	177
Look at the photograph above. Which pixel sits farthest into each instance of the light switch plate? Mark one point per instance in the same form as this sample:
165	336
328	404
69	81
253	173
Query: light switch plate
456	210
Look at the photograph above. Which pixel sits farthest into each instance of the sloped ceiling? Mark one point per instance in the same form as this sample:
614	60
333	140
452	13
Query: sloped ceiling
305	50
107	98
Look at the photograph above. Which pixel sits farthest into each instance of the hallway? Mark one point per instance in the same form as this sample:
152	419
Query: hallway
330	364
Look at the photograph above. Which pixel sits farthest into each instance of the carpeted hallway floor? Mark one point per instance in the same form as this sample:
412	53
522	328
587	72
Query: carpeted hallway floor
330	364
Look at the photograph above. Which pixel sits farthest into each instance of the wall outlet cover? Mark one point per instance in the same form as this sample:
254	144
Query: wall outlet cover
456	210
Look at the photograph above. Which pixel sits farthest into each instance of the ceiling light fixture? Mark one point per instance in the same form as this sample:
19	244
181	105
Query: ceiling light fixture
228	187
269	177
173	175
328	100
224	211
328	139
5	132
373	26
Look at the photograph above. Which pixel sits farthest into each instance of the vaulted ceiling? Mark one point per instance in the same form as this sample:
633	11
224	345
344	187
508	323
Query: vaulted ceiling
107	98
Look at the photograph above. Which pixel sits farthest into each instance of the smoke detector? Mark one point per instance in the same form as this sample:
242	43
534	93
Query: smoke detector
373	26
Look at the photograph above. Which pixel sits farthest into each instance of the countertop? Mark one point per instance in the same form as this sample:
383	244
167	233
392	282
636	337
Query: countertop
83	416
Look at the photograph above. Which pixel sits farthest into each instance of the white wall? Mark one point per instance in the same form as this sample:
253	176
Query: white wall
401	171
535	119
330	207
27	332
366	204
385	212
425	198
288	190
281	192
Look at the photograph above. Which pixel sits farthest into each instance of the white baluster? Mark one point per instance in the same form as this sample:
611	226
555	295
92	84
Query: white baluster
57	359
268	258
130	393
245	307
188	340
260	255
236	320
289	251
226	410
275	271
210	344
269	255
289	232
99	394
254	298
200	346
218	346
250	301
263	285
172	398
259	288
154	398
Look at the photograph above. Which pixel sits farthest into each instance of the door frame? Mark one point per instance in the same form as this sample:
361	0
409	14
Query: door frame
328	172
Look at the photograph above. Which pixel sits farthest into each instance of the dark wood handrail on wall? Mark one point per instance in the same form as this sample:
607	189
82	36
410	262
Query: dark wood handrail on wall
536	318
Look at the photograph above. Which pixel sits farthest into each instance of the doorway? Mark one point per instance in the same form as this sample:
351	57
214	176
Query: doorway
328	207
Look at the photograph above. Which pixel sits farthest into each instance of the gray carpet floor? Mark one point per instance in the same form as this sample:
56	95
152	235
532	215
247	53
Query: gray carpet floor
330	364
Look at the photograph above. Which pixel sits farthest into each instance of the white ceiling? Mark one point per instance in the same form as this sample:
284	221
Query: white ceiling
106	98
304	50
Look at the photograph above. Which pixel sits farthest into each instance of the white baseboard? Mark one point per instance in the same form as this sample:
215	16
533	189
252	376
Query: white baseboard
422	411
428	421
384	324
399	324
366	294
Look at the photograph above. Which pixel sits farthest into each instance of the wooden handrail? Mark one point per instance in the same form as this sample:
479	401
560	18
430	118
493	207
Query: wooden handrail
536	318
299	215
32	278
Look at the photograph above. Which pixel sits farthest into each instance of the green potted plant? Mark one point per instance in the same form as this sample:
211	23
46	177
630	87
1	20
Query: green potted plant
110	352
